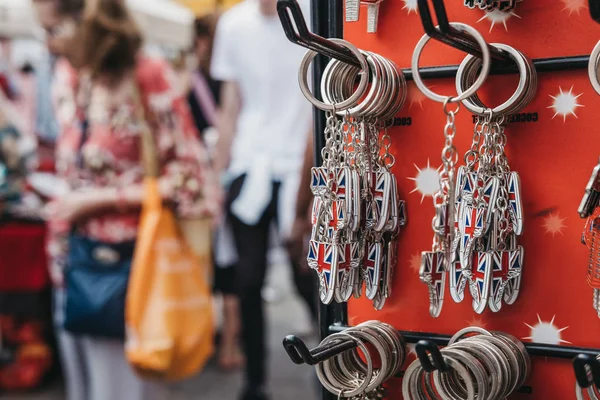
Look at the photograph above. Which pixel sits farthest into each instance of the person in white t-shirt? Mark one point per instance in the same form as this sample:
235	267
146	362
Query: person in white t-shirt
264	123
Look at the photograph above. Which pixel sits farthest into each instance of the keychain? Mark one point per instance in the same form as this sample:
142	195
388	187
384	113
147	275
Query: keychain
590	209
489	197
435	264
356	213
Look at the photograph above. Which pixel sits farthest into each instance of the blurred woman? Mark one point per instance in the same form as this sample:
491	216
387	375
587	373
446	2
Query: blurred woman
203	99
98	154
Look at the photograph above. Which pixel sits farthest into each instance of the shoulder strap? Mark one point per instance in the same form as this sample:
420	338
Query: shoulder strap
148	151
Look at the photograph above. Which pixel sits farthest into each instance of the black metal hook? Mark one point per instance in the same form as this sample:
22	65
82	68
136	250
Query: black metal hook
300	354
297	32
586	367
595	10
430	357
445	33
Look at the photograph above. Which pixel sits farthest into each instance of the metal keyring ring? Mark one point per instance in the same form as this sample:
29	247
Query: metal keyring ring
335	75
593	68
392	347
473	364
384	92
463	332
462	372
521	351
517	97
510	354
322	376
400	87
374	91
350	101
397	343
493	359
379	345
485	69
409	381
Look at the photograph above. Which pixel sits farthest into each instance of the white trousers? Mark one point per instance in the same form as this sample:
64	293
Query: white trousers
96	369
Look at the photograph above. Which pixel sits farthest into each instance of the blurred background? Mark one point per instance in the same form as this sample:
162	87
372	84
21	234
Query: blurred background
30	350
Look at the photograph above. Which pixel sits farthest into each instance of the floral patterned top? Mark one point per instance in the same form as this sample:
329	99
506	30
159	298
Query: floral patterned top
99	144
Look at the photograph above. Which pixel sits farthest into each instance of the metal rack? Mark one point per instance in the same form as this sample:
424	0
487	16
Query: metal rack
327	21
298	33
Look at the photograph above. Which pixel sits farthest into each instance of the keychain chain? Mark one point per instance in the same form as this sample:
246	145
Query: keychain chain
502	170
387	159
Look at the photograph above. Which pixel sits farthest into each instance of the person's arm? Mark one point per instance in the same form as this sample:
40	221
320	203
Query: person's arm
226	124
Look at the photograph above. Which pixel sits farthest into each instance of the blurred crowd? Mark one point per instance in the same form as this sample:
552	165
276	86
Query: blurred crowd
232	139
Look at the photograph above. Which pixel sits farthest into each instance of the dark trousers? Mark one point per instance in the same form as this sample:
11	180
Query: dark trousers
252	245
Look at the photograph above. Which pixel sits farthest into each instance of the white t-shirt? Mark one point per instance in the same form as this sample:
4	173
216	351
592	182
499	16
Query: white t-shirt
253	51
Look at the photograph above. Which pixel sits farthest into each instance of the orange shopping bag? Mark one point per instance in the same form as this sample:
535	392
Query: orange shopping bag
168	315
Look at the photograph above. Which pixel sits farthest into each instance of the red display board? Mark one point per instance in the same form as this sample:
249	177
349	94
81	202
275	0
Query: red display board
554	145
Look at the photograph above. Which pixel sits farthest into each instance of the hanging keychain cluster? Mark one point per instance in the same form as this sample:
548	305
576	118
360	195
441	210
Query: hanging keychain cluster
357	213
590	210
478	215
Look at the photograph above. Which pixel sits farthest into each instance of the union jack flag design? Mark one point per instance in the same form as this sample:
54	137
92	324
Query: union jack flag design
515	271
347	257
471	226
506	266
514	199
373	262
458	281
469	193
313	254
480	281
337	217
490	187
381	198
316	210
319	178
433	274
326	269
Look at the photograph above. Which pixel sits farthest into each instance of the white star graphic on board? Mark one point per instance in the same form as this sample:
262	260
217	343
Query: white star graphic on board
574	6
478	322
554	224
427	181
412	349
565	103
415	263
411	6
498	17
546	332
414	95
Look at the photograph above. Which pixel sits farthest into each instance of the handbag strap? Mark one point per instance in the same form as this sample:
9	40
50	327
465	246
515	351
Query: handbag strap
148	151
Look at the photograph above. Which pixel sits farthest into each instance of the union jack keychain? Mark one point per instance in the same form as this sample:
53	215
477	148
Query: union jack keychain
590	209
396	218
506	255
330	215
436	263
